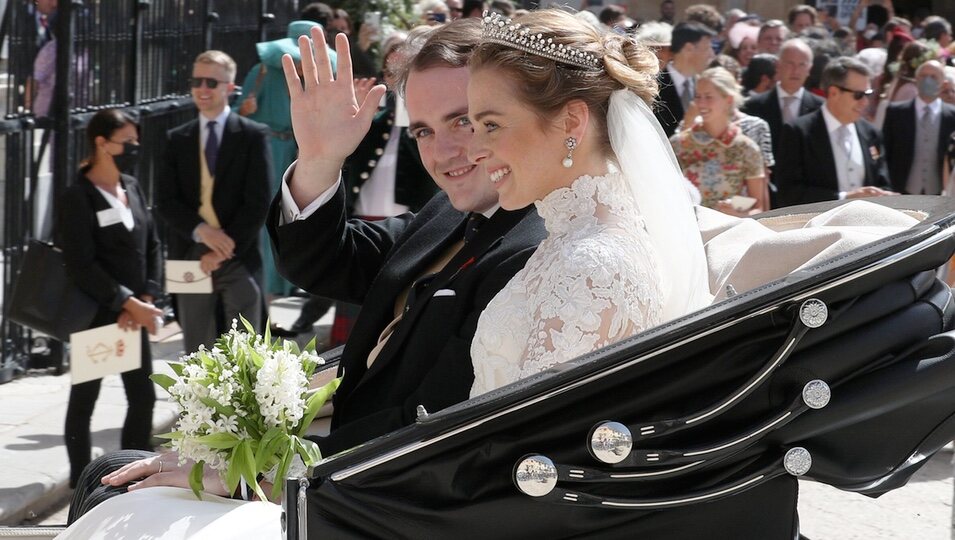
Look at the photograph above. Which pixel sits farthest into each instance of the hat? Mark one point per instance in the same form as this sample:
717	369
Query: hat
741	31
271	52
655	34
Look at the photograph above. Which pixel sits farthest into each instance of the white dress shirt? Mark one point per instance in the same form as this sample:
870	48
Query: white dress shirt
377	195
794	106
678	80
849	169
125	213
219	127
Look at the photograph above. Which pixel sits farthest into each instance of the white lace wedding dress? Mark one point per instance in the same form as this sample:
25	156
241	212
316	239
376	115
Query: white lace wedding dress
593	281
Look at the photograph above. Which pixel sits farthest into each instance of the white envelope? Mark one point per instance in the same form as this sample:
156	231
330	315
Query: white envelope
186	277
103	351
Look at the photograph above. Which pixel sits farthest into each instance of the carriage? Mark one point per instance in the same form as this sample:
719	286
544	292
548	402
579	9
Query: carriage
841	372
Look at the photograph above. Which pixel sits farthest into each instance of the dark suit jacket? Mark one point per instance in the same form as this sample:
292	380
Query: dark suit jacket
240	194
899	134
806	168
109	263
766	106
668	108
413	185
427	360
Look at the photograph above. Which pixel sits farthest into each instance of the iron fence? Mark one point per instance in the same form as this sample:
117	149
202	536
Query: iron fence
134	54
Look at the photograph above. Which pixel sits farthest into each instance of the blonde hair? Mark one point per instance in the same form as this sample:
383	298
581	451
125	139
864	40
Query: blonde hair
546	85
724	82
218	58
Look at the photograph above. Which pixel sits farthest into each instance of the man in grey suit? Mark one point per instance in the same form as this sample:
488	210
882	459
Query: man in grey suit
916	134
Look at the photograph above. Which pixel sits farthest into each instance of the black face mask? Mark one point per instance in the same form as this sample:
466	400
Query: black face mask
127	161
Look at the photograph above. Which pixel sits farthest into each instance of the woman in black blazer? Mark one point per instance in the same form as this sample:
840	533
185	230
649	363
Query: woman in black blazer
112	252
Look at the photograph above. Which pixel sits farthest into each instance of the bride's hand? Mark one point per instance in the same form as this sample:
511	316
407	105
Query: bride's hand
163	470
327	118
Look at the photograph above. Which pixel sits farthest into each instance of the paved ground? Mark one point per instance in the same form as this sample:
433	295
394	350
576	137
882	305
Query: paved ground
33	485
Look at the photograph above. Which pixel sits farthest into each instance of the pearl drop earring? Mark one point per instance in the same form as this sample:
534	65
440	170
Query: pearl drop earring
570	143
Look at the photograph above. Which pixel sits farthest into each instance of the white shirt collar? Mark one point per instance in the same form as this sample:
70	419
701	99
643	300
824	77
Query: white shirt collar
935	106
220	120
490	211
782	93
677	77
832	123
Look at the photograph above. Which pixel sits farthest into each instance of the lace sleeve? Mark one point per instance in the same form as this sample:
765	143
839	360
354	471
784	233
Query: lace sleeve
607	290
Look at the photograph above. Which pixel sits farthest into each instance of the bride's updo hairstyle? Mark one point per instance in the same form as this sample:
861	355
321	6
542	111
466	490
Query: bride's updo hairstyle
546	84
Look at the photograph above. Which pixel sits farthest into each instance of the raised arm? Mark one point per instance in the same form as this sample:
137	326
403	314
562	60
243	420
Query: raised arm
327	118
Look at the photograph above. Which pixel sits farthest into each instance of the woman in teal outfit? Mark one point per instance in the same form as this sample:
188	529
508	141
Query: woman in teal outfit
265	99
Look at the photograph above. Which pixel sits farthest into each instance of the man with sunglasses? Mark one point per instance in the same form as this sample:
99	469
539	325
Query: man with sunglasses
833	154
213	194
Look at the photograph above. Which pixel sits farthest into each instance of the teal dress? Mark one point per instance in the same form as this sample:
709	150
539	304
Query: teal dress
273	110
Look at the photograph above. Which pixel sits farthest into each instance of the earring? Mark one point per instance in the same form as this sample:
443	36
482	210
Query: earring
570	143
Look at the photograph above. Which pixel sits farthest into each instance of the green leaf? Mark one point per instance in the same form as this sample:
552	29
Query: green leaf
310	346
219	441
293	347
315	402
310	452
173	435
263	453
247	325
178	368
268	331
243	455
282	471
195	479
232	473
163	380
224	410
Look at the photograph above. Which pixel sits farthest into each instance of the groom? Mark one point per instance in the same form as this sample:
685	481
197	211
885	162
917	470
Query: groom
422	280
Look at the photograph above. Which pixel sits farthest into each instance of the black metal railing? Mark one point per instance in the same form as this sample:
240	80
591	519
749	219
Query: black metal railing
134	54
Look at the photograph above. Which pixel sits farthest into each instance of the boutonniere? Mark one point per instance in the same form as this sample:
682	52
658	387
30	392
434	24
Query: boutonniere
874	152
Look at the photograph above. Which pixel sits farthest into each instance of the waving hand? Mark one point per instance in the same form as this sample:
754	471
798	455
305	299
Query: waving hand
327	118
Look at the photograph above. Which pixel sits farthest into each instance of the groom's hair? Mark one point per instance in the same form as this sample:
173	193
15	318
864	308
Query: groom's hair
448	45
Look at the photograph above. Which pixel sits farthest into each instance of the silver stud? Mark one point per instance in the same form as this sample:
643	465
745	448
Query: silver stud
379	151
386	136
363	176
421	412
355	189
816	394
813	313
535	475
611	442
797	461
372	162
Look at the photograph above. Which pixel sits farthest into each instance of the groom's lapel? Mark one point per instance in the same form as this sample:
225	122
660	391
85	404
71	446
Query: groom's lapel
486	240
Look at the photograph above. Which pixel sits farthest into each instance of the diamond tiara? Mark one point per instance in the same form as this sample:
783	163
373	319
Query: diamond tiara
501	30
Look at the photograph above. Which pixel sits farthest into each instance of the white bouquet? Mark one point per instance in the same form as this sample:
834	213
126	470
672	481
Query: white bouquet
245	407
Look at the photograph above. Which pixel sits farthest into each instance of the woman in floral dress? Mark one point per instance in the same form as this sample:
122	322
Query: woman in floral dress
716	157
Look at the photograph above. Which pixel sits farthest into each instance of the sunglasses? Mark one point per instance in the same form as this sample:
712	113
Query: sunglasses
196	82
856	94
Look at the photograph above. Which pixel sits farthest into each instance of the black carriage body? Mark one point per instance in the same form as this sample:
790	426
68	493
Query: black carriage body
736	370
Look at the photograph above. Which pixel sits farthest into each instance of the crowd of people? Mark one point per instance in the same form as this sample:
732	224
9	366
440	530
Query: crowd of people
483	243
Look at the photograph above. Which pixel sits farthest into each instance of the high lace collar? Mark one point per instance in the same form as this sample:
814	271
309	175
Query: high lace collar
589	200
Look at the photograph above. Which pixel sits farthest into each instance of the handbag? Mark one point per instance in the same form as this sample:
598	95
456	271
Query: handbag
249	105
45	298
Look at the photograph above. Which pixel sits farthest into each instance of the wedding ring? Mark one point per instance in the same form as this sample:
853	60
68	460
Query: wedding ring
160	467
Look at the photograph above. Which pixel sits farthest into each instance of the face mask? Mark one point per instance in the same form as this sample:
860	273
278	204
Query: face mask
929	87
126	162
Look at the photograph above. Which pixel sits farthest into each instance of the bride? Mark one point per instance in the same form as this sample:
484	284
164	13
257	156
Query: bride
561	119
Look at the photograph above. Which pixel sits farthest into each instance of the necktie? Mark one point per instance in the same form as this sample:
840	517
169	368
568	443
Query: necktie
788	115
687	95
212	148
474	223
845	140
